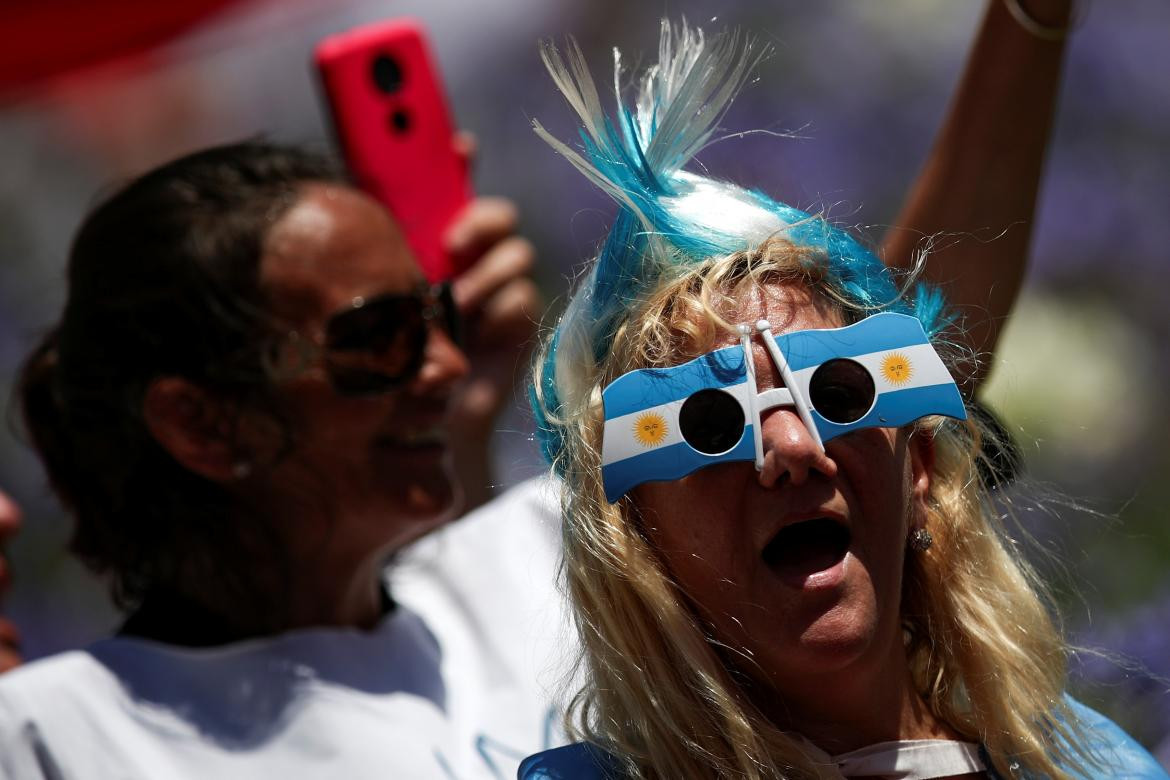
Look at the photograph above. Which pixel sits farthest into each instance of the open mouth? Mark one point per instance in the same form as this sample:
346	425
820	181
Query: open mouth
807	547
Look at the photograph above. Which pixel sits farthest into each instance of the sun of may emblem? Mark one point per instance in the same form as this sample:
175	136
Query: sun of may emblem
896	368
650	429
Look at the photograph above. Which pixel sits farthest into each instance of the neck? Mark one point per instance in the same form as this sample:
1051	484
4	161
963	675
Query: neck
342	595
852	708
168	616
321	587
303	565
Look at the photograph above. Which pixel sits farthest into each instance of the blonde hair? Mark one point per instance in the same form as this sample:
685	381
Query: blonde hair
983	649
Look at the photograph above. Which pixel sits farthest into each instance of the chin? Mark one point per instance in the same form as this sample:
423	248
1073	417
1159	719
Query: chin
413	512
434	498
835	641
832	652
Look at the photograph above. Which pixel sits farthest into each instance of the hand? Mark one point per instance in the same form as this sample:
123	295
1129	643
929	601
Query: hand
9	636
501	307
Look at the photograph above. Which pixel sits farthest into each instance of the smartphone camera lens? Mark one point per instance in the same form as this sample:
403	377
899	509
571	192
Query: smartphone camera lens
387	74
400	121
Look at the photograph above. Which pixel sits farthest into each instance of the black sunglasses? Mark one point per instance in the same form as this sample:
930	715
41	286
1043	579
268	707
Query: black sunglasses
380	343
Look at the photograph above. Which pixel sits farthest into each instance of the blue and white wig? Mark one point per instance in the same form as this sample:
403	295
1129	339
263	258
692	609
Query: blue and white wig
669	217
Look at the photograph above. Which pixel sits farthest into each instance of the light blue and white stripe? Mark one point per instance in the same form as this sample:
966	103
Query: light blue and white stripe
929	389
626	461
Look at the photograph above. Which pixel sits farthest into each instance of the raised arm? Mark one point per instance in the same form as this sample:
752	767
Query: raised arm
501	306
978	188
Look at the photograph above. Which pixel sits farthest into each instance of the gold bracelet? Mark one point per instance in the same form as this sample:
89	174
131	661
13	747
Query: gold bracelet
1034	28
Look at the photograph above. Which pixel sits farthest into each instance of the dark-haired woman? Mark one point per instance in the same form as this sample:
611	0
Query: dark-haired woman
246	406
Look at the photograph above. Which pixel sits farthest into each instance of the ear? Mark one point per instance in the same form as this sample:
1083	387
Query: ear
921	446
192	427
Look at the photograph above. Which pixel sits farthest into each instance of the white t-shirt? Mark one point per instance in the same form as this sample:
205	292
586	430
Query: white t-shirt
459	681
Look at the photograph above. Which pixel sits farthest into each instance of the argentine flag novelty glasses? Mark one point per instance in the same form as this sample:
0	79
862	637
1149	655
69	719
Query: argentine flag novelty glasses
664	423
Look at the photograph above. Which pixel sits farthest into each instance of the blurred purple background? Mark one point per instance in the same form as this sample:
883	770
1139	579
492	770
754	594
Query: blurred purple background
862	86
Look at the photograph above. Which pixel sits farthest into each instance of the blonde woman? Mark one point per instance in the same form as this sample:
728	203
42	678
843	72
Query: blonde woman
780	553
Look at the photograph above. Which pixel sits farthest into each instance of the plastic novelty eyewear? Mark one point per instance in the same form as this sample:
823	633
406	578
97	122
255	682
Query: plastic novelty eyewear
664	423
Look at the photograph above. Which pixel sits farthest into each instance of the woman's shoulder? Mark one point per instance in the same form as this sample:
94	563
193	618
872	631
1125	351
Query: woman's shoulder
1116	751
50	679
86	689
69	695
1118	755
578	761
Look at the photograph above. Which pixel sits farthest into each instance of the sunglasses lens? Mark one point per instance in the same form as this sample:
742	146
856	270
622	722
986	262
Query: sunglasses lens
373	348
841	390
711	421
376	327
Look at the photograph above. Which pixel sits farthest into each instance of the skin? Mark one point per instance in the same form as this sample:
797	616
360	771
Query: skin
352	479
823	655
998	124
977	190
980	181
365	475
501	307
10	521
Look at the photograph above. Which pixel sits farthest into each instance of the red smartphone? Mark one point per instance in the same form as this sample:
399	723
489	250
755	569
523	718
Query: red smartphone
391	119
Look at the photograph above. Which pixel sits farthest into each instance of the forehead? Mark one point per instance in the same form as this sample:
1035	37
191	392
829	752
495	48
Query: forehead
333	245
788	307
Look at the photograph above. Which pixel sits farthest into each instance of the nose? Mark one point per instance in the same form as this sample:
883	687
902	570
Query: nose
444	364
790	450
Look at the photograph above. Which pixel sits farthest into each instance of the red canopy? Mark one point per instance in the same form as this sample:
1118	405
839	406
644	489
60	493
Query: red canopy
43	39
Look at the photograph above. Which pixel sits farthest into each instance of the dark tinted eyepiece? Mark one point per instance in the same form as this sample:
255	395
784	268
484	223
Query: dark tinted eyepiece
377	346
711	421
841	390
387	74
381	343
377	325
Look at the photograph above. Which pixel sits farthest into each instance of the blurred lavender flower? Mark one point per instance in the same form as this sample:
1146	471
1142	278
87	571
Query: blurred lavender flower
1130	677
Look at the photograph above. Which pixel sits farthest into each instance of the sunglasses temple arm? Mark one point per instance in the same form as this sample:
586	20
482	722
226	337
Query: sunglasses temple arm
745	339
798	399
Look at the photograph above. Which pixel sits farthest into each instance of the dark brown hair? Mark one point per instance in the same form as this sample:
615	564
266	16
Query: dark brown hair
163	280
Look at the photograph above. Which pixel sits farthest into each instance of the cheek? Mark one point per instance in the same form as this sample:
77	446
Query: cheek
697	526
877	471
328	429
666	518
878	486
